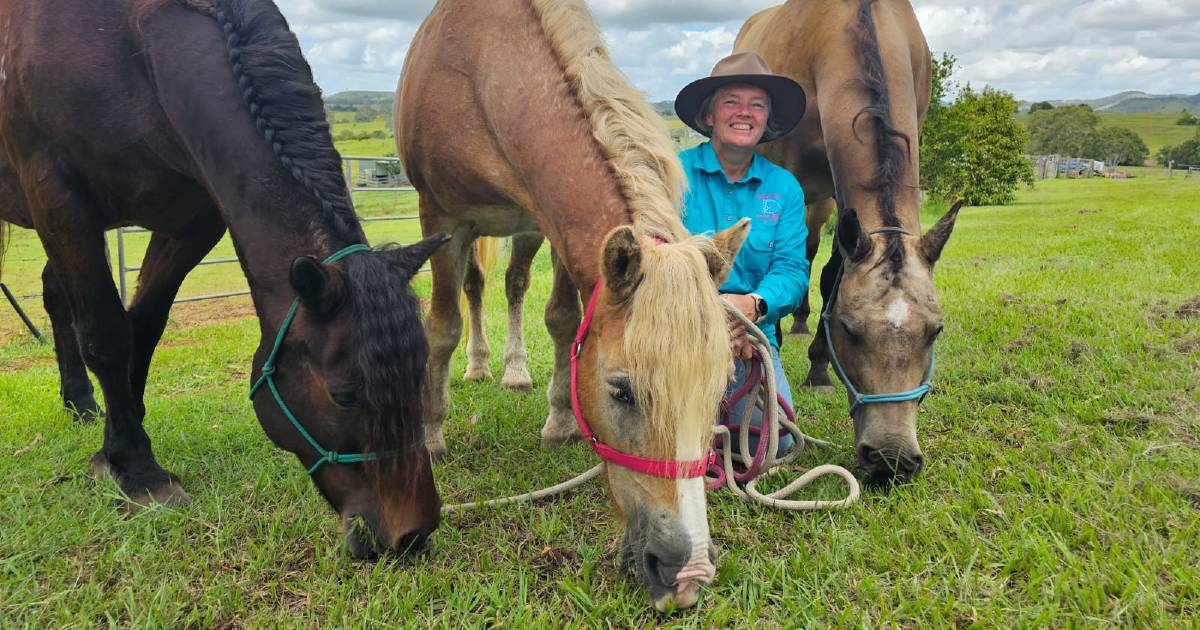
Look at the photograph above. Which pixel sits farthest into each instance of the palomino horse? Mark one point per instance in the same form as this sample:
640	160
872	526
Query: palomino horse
510	118
865	67
154	113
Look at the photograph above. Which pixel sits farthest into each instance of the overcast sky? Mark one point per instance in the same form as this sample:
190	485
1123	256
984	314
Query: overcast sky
1036	50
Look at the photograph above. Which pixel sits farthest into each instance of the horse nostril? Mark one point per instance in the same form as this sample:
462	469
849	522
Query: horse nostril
657	570
884	466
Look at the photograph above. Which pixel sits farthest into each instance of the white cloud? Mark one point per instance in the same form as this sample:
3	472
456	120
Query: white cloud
1036	50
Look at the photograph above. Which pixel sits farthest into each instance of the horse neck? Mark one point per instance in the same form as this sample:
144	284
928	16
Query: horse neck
269	216
851	141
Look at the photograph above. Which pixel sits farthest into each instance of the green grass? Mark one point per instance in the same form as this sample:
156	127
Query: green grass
1062	487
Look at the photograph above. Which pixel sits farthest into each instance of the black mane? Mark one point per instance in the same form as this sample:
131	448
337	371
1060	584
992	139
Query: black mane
277	85
892	158
391	349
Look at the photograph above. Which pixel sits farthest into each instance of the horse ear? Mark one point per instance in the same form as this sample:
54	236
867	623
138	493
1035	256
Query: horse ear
621	264
728	242
935	239
855	245
318	288
412	257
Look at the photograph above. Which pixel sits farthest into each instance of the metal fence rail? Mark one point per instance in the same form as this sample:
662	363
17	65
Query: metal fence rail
373	174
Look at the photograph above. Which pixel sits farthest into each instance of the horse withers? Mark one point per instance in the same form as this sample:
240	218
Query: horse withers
510	118
865	67
189	118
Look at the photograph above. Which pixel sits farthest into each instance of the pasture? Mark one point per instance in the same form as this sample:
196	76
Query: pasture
1062	485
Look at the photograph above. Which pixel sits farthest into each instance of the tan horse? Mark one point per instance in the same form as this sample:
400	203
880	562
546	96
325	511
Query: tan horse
510	118
865	67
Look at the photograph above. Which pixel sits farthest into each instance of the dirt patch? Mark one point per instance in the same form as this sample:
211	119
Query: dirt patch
1189	490
24	363
554	560
1130	420
1190	308
1091	210
1188	346
1077	349
1041	383
191	314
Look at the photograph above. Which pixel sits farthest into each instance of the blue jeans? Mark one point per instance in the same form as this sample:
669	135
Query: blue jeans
735	413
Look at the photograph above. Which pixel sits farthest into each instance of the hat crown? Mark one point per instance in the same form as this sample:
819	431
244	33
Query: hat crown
741	63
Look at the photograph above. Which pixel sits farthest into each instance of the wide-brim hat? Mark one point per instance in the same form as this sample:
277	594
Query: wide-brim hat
787	97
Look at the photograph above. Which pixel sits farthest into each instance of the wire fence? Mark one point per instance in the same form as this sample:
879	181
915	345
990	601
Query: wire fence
363	174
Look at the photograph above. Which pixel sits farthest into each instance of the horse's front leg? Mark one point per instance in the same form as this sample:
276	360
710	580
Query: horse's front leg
164	267
443	327
74	241
815	216
562	320
818	352
525	246
74	384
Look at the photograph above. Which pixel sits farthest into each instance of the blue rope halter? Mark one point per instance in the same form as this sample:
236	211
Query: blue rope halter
917	393
268	377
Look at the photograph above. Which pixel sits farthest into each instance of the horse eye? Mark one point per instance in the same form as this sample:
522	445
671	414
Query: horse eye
936	331
850	333
621	392
345	399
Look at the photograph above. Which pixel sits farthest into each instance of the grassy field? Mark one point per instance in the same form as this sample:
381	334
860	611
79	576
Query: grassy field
1062	487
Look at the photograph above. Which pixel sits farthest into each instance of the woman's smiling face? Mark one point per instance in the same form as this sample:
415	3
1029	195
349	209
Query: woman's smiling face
738	115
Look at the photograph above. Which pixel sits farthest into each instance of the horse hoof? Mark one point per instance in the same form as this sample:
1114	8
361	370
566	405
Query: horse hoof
435	443
85	411
477	374
101	468
517	382
821	389
560	428
169	494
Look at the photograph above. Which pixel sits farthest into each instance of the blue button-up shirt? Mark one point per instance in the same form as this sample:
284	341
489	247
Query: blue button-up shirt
772	261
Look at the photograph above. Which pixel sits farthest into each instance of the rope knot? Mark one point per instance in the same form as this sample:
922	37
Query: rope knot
268	369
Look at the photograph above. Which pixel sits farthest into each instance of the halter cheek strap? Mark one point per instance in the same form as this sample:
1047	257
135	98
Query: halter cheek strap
671	469
268	377
917	393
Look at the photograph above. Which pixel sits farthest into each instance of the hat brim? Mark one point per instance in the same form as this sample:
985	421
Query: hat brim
787	100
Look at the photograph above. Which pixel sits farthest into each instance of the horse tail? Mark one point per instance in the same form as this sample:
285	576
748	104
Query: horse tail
487	252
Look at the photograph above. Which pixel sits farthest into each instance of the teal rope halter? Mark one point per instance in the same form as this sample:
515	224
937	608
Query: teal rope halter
918	393
268	377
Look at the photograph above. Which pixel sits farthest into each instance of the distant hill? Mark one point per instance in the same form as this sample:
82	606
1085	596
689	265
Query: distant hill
351	99
1133	102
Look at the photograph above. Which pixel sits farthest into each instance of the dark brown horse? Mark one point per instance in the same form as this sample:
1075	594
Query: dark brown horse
190	118
865	67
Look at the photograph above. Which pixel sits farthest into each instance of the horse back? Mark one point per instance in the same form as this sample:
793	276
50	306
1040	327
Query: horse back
813	42
446	134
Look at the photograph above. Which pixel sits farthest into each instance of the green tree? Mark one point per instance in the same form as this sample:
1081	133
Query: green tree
971	148
1116	145
1062	130
1040	106
1187	119
1186	153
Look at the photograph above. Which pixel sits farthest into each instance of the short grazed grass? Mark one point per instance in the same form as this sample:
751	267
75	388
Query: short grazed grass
1062	486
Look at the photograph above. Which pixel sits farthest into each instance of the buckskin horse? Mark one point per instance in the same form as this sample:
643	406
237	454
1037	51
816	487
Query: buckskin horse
865	68
510	117
189	118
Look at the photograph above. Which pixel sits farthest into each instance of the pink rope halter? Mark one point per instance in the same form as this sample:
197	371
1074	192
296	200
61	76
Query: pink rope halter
671	469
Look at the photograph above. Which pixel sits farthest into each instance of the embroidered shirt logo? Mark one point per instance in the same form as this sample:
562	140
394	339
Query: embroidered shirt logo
769	208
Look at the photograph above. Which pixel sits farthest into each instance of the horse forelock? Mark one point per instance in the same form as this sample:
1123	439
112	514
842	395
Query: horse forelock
277	86
892	157
631	136
676	342
390	353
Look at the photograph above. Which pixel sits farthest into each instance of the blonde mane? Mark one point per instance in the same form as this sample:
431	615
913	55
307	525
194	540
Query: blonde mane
679	337
631	135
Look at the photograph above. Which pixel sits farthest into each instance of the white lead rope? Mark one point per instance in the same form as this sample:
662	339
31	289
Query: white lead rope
771	465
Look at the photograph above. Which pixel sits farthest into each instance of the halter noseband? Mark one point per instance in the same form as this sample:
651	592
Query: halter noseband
671	469
268	377
918	393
